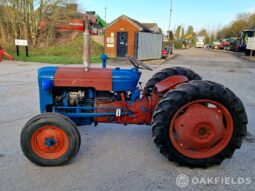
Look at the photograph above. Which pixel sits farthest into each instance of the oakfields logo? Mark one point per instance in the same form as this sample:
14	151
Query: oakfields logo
183	180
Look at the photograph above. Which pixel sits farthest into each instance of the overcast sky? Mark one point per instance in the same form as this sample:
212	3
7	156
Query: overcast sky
199	13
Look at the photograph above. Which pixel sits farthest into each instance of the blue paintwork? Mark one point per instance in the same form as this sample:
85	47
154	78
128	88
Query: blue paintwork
79	119
104	58
47	84
125	79
45	80
90	96
122	80
55	108
135	94
87	115
50	142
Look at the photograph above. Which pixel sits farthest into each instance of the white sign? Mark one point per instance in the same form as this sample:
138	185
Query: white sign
110	40
110	45
19	42
112	35
251	43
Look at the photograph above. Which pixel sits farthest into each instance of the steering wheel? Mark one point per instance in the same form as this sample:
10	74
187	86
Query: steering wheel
138	64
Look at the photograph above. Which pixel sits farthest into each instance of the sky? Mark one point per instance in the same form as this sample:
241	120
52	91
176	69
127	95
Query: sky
210	14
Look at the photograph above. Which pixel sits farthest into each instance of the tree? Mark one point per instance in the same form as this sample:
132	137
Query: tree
21	18
242	21
191	35
190	30
179	33
203	32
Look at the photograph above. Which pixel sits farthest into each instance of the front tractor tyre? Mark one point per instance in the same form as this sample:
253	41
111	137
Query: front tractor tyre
199	124
50	140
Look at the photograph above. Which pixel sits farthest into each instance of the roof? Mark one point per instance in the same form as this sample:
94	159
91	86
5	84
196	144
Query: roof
136	23
153	27
150	25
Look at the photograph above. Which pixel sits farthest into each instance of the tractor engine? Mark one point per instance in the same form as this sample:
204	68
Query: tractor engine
95	96
76	98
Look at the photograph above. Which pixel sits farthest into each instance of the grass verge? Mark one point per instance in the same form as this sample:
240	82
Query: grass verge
64	53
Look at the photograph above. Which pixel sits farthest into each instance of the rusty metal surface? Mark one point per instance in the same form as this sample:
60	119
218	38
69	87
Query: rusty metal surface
170	83
141	111
100	79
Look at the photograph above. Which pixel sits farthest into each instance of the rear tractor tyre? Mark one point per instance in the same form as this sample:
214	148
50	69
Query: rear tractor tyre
50	140
199	124
168	72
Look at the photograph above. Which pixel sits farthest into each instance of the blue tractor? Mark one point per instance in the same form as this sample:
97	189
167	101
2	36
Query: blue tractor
194	123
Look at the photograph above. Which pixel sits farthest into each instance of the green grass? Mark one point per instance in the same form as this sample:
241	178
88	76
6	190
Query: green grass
55	59
64	53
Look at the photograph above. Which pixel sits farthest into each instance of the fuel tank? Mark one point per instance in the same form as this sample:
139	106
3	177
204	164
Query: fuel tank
125	79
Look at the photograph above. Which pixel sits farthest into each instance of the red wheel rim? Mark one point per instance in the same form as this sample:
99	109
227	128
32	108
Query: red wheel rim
201	129
50	142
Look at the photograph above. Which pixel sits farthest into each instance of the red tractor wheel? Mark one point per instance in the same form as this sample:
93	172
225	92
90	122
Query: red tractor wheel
50	140
199	124
168	72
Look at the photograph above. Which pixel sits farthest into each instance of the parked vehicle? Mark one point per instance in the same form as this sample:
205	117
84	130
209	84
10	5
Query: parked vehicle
216	44
164	53
224	43
209	45
200	42
245	34
237	45
232	44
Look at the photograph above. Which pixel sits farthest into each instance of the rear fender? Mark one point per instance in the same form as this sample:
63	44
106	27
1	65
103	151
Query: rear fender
170	83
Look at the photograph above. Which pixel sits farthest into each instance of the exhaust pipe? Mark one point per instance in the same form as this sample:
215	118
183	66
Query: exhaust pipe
86	45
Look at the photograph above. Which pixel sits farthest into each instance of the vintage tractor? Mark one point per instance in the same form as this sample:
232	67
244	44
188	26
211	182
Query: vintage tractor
195	123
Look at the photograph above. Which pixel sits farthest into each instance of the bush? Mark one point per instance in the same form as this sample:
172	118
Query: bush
178	44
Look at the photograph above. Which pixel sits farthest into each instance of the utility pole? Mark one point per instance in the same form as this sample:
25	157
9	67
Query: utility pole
170	17
105	12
